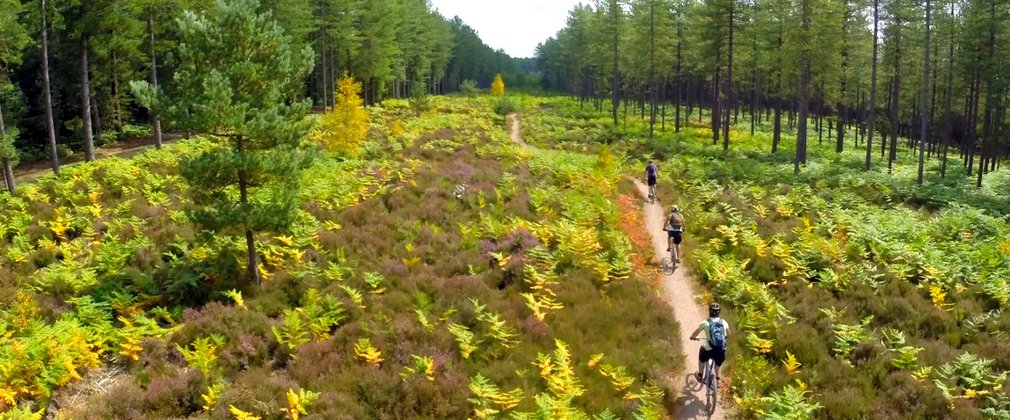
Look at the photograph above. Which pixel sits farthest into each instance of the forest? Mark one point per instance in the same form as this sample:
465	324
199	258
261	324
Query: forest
65	66
933	83
349	209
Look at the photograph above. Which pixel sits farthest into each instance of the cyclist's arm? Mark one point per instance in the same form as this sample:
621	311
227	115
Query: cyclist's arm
694	335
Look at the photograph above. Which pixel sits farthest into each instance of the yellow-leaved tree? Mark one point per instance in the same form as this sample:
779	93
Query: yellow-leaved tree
343	130
498	86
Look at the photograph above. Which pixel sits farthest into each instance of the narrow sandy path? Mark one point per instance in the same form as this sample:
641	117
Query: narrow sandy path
679	292
514	133
30	175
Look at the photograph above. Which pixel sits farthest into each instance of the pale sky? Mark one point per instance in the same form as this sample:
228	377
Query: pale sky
516	26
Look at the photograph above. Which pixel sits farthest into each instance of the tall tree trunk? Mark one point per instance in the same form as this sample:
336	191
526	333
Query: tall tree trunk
680	80
870	127
729	75
326	81
716	111
988	140
755	114
615	76
243	187
801	133
947	99
116	102
924	127
155	121
777	132
652	68
96	117
8	169
895	104
50	127
89	140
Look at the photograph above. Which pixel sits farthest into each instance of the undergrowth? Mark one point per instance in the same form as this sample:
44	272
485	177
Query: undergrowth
854	294
395	294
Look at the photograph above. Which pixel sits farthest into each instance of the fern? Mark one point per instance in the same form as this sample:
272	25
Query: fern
464	338
293	331
299	402
203	355
355	296
375	281
212	396
366	352
241	415
423	365
791	364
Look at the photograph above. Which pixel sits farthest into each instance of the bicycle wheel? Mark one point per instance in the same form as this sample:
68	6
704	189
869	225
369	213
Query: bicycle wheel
668	266
712	392
673	259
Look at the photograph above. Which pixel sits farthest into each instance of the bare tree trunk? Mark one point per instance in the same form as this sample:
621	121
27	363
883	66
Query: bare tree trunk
870	122
680	80
96	117
89	140
988	140
50	127
777	132
652	68
924	127
243	187
155	121
947	99
801	134
9	180
729	77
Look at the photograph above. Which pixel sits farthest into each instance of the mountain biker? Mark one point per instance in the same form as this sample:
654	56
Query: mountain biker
652	173
675	229
714	347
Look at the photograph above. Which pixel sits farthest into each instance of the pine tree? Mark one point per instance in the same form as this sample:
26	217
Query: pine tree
239	80
13	39
50	126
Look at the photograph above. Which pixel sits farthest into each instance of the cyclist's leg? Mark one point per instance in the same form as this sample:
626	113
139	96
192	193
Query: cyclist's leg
718	356
669	240
678	237
703	357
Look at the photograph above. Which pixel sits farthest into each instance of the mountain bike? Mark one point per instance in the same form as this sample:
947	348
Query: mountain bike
711	382
652	195
670	264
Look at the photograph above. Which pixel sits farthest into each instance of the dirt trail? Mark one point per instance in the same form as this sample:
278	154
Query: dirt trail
678	292
514	133
32	172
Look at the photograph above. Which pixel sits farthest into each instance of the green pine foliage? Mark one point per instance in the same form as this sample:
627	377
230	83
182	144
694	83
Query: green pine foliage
237	79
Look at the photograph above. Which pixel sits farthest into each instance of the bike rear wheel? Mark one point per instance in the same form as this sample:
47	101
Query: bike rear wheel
712	391
668	266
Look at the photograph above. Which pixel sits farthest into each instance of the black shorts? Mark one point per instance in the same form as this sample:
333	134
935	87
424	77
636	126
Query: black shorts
652	181
718	355
677	235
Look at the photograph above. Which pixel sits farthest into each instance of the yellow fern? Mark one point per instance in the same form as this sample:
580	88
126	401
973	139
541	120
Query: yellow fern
792	365
365	351
241	415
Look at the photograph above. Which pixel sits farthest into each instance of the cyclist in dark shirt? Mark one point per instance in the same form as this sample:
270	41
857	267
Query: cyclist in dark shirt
652	173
